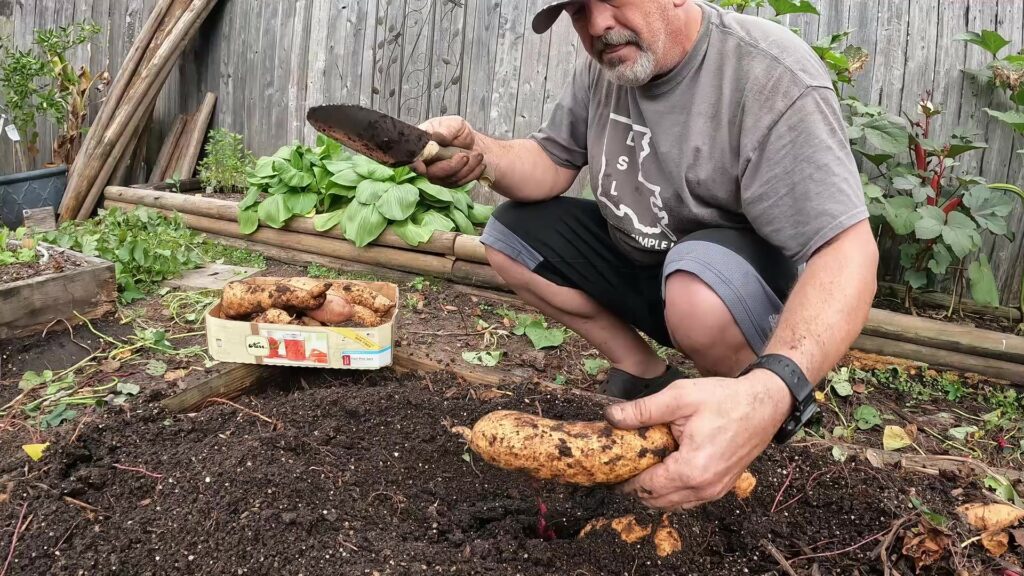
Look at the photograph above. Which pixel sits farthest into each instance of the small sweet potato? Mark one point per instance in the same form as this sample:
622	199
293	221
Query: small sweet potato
366	317
242	299
274	316
336	310
579	453
362	296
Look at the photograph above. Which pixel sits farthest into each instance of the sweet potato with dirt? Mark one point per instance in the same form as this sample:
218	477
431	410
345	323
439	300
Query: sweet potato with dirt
366	317
242	299
362	296
274	316
579	453
336	310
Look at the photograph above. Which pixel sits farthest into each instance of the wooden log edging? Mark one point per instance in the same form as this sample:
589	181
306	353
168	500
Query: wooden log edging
945	336
938	358
945	300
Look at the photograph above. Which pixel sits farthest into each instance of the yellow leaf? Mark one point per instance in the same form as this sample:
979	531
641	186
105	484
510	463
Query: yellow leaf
991	517
995	542
819	396
34	451
895	438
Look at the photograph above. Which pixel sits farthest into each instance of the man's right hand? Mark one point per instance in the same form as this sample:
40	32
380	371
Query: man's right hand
461	169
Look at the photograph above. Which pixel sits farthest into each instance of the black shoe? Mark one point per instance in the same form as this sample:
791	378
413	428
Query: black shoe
625	386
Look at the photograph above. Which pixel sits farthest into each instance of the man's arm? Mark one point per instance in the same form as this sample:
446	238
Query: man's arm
522	170
723	424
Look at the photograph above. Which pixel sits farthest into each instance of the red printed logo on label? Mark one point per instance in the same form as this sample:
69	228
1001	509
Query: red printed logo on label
346	360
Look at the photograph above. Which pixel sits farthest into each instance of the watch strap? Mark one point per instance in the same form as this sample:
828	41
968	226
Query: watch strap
801	389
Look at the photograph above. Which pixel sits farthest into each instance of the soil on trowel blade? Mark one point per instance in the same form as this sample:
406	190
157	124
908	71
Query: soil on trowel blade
360	475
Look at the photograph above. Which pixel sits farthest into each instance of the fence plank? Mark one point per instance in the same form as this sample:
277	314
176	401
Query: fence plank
887	79
507	63
414	75
448	62
387	56
863	19
980	15
919	73
561	62
477	101
316	59
948	78
532	77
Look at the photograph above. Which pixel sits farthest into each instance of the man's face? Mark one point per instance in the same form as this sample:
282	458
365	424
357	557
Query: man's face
626	37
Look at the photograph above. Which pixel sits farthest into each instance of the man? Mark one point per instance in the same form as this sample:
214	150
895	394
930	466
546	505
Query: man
724	187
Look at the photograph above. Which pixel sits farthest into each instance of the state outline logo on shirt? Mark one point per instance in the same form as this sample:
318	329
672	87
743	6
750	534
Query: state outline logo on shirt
623	164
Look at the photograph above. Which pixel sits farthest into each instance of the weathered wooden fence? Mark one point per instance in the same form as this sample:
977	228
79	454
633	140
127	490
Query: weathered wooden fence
268	60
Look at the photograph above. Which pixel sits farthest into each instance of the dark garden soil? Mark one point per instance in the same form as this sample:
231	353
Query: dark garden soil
58	262
359	475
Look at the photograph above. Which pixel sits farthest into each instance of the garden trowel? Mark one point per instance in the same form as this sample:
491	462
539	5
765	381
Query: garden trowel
381	137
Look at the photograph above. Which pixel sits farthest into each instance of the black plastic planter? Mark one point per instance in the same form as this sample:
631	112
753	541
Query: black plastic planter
26	190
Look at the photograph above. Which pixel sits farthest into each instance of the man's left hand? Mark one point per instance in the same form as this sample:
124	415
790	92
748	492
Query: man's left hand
721	425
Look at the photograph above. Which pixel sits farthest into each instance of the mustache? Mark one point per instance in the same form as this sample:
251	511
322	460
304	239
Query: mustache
615	38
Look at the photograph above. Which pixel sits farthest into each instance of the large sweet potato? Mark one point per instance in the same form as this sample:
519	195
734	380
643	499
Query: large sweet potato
580	453
362	296
242	299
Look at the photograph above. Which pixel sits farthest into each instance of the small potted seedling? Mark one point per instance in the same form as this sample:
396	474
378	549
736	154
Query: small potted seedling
40	83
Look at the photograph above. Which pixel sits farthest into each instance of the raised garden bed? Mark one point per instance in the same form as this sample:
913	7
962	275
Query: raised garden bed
365	478
69	285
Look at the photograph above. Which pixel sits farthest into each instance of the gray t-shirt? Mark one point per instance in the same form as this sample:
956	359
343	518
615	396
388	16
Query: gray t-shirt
746	132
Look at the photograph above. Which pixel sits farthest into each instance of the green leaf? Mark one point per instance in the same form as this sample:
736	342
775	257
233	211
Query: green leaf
988	208
867	417
594	366
901	214
962	145
433	191
940	260
156	368
370	191
362	223
542	337
337	167
961	432
248	221
323	177
905	182
461	201
324	222
265	168
930	224
886	135
483	358
295	178
961	234
57	416
421	226
250	199
347	178
275	211
916	278
839	454
462	223
301	203
1014	118
873	191
367	168
983	283
783	7
284	152
130	389
334	189
398	202
30	379
479	214
989	40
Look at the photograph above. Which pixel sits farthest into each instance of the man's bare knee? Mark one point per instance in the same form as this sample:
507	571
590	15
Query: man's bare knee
703	328
539	291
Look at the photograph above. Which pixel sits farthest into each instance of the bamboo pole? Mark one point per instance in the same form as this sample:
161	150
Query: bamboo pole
476	275
85	187
945	336
987	367
469	248
194	140
167	150
440	243
121	82
404	260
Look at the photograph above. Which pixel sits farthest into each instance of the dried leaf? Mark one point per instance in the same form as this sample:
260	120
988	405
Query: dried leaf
995	543
744	487
630	531
109	366
896	438
491	394
666	539
1018	536
860	388
926	544
173	375
874	458
991	517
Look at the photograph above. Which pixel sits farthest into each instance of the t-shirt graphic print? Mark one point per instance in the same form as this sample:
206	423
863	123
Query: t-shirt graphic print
626	147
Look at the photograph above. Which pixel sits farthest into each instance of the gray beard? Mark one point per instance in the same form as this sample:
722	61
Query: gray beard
636	73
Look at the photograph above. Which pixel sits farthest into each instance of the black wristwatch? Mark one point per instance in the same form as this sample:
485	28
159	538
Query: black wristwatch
799	387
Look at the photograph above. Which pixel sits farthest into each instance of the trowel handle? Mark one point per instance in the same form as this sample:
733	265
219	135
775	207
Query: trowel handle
435	152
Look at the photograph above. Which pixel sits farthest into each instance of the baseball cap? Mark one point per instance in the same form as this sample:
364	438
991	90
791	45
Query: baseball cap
548	14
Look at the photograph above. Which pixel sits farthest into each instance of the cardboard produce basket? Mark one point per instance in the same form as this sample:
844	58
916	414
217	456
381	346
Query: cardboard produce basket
342	347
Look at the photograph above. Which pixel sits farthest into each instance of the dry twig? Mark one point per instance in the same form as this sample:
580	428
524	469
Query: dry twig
140	470
783	563
276	425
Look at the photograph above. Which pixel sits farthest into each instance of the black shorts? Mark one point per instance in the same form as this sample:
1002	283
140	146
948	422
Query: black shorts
567	241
